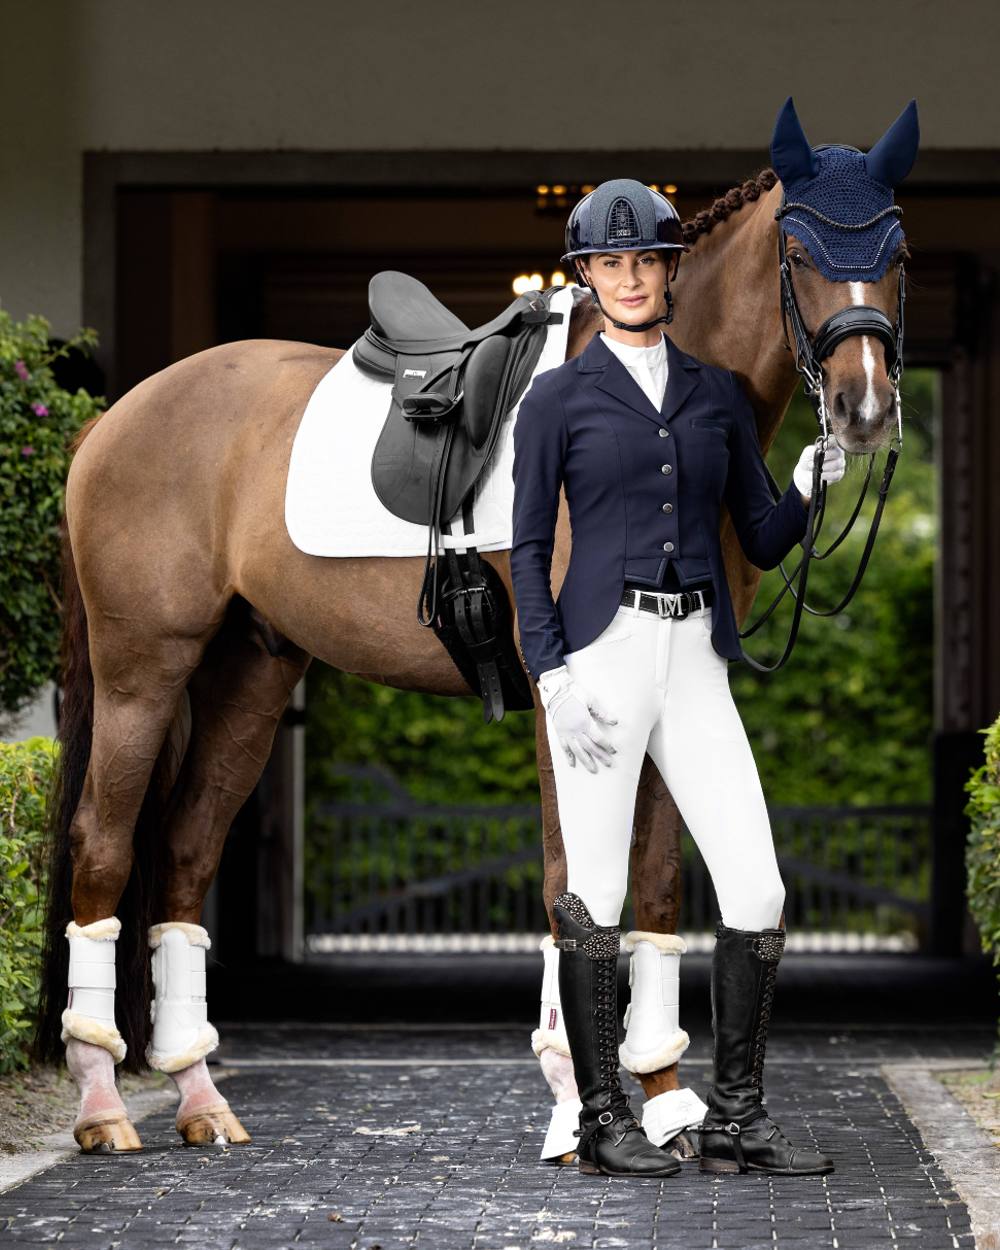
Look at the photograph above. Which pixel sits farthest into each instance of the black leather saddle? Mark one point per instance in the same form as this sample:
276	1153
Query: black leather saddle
452	388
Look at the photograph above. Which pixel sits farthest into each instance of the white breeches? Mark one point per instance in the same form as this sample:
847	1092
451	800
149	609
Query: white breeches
669	690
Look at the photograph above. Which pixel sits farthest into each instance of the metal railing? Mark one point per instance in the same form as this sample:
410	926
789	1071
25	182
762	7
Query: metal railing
382	863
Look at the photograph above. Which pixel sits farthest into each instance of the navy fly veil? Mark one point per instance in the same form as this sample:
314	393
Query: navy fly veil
838	201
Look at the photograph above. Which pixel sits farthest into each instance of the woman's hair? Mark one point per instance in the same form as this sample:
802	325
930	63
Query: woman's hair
703	221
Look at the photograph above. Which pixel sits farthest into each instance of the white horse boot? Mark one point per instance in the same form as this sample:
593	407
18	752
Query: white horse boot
182	1035
551	1045
93	1042
653	1038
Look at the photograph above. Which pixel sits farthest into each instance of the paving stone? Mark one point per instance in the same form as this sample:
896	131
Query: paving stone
447	1158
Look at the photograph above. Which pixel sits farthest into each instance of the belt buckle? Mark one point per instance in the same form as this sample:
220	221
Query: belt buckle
669	601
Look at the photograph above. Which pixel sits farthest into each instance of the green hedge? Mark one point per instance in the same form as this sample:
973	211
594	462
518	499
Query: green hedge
25	780
982	856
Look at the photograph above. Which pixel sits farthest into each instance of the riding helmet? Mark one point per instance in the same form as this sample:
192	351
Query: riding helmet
623	215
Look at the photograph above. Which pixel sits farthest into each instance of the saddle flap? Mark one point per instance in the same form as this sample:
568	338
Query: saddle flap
427	386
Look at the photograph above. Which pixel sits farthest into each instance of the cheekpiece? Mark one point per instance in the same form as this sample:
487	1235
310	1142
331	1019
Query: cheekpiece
838	201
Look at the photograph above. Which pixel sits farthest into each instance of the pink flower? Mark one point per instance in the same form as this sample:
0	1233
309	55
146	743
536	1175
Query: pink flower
27	451
21	369
39	410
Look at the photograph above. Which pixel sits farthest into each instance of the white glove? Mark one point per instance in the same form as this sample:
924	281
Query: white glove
573	713
834	464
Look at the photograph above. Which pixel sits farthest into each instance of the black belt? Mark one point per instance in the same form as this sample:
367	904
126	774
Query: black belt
670	603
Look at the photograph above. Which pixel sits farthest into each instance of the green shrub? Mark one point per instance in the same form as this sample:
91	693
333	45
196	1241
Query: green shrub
38	420
25	779
982	856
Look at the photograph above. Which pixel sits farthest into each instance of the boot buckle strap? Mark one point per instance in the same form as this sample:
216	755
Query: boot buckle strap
601	1118
565	944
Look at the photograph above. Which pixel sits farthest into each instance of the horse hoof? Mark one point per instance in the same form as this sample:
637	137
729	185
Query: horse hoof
106	1135
681	1147
213	1126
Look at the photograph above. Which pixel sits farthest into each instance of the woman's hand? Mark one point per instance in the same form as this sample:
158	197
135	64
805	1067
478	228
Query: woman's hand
834	465
574	713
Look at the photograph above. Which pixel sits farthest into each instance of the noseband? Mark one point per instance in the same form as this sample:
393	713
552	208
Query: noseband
810	352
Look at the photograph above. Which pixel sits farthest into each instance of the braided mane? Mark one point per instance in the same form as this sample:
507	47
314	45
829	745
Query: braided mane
703	221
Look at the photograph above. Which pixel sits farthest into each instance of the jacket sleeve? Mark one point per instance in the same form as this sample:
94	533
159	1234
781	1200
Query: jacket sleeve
540	441
768	529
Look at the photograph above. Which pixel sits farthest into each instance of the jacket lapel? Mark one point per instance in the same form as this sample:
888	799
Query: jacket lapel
611	376
682	378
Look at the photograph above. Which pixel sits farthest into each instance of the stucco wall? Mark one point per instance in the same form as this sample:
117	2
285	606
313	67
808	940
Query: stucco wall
331	76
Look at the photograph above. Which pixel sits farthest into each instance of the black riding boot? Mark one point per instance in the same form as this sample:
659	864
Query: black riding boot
738	1135
611	1138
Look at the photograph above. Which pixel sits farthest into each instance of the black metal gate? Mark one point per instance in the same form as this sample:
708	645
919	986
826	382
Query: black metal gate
381	864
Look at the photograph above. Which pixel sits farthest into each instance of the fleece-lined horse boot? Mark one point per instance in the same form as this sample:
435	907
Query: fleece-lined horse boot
611	1140
738	1135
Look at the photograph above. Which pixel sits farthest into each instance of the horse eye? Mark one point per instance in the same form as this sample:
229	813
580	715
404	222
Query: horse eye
798	260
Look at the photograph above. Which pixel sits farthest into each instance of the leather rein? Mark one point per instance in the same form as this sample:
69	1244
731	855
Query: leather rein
810	352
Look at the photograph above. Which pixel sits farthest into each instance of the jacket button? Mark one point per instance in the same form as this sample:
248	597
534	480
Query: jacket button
664	433
668	508
667	468
668	546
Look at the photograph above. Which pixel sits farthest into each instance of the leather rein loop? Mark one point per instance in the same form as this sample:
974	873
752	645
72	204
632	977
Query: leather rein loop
809	353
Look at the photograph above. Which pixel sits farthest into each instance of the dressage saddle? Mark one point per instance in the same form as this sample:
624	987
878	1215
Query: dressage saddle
452	387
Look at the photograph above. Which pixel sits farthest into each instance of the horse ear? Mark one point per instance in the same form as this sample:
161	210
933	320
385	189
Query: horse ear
791	155
891	159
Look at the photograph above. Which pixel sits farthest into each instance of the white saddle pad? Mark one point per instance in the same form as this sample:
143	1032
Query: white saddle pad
331	508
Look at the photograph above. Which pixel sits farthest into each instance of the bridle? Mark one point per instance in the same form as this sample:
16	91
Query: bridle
810	352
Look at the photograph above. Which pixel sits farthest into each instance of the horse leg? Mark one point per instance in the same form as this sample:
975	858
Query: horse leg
237	696
133	711
654	1041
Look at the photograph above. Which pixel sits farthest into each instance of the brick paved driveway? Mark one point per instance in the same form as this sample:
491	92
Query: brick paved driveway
425	1138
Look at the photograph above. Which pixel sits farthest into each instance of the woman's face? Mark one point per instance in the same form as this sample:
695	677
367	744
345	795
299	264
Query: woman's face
630	285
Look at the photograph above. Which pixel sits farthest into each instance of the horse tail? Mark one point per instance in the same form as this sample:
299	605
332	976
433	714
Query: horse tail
76	715
135	910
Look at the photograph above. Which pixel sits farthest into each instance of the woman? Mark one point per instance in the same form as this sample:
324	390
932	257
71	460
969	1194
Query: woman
648	442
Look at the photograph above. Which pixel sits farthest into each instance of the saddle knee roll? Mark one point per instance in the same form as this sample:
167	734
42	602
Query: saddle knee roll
181	1032
551	1031
90	1011
653	1036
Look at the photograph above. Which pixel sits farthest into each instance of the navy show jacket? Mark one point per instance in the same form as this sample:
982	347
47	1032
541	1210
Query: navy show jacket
643	487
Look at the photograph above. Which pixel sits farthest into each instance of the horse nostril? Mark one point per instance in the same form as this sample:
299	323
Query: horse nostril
841	406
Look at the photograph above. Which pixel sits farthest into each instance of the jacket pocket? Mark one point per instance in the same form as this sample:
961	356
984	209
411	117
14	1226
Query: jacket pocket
703	423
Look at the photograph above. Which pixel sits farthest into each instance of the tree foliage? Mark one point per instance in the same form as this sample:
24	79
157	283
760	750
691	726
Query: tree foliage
38	419
982	854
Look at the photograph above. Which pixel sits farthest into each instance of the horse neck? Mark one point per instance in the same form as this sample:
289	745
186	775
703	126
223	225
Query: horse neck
728	311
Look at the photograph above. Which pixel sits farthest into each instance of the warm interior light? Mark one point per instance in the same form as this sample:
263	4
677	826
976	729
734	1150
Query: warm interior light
521	284
670	188
654	186
558	278
558	189
587	188
542	189
537	282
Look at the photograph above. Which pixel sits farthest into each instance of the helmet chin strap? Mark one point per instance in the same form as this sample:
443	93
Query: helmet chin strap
641	328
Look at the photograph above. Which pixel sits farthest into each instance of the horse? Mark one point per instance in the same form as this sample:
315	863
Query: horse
189	617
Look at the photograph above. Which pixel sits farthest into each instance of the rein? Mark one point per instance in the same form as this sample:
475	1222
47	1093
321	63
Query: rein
810	352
